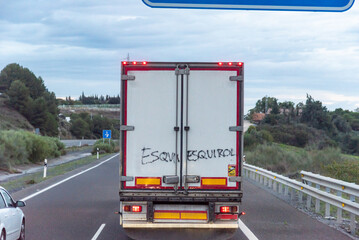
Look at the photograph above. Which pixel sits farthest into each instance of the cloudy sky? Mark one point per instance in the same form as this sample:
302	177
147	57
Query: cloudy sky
78	45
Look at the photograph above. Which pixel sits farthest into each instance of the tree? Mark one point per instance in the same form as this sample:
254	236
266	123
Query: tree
28	95
80	128
316	115
38	116
19	97
263	105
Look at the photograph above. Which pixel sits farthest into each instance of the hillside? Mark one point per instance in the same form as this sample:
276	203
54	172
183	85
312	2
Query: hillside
11	119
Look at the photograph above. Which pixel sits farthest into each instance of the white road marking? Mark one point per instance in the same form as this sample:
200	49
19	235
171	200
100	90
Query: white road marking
246	230
65	180
98	232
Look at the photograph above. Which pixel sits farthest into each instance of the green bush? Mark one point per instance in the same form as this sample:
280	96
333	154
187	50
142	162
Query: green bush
104	146
18	147
253	137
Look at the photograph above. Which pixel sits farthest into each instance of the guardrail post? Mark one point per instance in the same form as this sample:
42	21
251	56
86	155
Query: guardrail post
286	190
300	197
317	201
352	223
274	185
309	198
339	210
292	194
327	205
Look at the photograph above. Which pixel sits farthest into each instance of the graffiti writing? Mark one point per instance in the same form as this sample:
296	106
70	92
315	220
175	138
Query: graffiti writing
151	156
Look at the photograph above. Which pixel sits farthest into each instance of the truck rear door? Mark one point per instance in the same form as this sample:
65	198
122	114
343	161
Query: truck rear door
181	126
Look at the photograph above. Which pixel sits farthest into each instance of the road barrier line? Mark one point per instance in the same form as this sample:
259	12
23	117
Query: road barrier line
98	232
67	179
246	230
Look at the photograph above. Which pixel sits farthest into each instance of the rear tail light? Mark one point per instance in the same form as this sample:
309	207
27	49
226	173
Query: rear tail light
124	63
220	63
228	209
240	64
225	209
133	208
134	63
144	63
136	208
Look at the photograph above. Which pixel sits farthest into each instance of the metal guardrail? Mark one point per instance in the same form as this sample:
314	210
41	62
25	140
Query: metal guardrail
287	186
351	189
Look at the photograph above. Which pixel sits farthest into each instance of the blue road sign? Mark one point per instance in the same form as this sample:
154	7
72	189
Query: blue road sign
106	133
279	5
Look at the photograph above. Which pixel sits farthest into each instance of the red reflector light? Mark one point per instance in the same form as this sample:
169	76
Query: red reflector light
134	63
225	209
127	208
144	63
136	208
220	63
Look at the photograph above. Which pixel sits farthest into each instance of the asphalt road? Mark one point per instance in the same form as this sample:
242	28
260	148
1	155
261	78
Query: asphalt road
78	208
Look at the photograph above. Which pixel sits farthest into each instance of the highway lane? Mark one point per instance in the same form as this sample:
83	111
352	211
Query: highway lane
76	209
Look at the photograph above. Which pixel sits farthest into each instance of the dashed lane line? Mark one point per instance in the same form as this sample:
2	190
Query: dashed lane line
98	232
246	231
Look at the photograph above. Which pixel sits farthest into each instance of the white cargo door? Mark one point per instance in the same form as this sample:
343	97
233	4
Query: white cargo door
150	148
212	108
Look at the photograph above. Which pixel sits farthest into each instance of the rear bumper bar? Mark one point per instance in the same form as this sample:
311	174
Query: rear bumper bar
224	225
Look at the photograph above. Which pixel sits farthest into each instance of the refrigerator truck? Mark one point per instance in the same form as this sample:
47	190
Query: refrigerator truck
181	148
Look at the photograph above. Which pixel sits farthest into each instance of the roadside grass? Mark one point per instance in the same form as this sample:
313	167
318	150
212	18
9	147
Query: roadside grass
289	161
34	178
77	148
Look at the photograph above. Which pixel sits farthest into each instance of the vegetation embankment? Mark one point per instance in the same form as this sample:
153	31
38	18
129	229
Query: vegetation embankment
307	137
19	147
105	147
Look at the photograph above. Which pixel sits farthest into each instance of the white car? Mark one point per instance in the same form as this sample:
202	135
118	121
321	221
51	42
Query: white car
12	219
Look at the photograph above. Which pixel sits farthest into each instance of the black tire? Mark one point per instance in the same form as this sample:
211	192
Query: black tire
22	231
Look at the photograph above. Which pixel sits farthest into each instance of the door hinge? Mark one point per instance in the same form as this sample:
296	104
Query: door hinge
235	179
126	178
128	77
236	129
236	78
127	128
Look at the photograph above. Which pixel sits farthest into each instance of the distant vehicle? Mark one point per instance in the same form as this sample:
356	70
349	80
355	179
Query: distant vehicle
12	219
181	148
